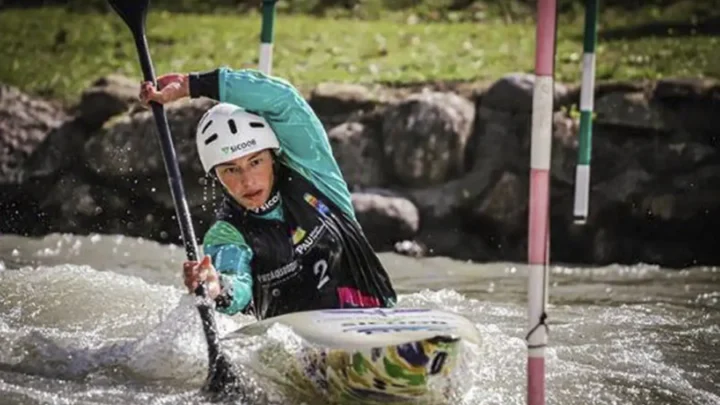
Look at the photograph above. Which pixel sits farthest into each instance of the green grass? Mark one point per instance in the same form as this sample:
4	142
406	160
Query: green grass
57	53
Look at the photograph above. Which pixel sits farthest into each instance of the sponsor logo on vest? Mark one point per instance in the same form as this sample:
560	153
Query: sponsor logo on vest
309	240
279	273
240	146
297	235
317	204
352	297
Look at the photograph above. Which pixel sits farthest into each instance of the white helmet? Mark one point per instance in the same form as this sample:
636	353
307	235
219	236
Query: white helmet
227	132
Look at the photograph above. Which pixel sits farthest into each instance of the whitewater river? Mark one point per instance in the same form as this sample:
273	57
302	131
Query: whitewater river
105	320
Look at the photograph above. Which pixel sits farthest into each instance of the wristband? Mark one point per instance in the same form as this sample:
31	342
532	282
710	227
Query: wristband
204	84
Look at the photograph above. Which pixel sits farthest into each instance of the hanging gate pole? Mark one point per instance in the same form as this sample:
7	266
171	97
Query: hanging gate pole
266	36
587	94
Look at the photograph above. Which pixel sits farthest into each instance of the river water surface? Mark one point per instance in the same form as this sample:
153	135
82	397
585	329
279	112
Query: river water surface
105	320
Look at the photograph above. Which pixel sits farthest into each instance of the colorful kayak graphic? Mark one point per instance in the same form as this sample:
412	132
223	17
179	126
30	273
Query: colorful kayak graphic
393	374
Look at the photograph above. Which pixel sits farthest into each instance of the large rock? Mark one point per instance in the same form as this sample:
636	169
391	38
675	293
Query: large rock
127	153
497	139
386	219
691	108
128	145
453	238
513	93
690	195
336	103
501	139
687	89
619	189
424	137
356	147
436	203
24	124
675	158
106	98
632	110
505	205
58	153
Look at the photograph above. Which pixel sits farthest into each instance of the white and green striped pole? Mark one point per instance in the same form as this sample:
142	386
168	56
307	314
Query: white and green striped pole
587	94
266	36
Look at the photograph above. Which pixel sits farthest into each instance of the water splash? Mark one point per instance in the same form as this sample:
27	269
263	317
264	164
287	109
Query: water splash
174	352
121	331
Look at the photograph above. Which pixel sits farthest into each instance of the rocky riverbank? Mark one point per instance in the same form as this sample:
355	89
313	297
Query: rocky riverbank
437	169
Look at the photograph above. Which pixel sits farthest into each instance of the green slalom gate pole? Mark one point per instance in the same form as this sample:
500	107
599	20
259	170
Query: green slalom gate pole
266	36
587	94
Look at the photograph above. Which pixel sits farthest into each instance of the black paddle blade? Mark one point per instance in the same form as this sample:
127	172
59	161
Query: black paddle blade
133	12
223	380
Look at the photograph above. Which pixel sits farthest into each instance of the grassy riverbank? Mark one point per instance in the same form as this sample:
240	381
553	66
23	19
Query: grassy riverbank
57	52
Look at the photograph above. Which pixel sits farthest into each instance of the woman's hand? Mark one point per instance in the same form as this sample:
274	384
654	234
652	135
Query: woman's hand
171	87
196	272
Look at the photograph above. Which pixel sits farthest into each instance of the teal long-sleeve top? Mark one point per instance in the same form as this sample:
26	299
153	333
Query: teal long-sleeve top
304	147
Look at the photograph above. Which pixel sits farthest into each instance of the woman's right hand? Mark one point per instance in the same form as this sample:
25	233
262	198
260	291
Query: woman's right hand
195	273
171	87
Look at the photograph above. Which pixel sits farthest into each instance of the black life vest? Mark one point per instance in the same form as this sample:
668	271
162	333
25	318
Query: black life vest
318	258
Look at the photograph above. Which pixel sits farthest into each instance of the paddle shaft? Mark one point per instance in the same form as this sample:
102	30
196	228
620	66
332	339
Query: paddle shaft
178	194
170	158
133	13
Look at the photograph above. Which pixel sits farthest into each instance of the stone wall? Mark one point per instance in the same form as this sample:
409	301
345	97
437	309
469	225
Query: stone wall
436	169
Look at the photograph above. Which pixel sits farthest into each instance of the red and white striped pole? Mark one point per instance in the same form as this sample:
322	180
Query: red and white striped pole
539	223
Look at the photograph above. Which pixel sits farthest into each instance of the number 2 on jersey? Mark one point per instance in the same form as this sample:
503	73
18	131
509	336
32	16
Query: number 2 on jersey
320	270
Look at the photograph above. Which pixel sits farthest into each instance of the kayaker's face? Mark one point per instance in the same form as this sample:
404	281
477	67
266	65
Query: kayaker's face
248	179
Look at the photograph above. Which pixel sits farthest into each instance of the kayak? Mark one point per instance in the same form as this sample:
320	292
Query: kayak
375	355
